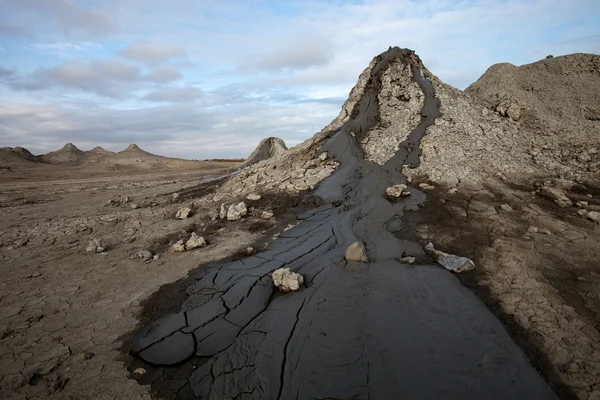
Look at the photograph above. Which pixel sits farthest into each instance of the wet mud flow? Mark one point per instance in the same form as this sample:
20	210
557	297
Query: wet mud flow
376	330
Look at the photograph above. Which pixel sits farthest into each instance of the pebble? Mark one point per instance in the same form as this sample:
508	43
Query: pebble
506	207
408	260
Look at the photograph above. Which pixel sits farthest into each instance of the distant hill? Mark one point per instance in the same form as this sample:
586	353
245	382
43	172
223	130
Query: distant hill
16	156
68	154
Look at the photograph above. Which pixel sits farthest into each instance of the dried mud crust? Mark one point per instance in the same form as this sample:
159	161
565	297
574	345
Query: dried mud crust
544	286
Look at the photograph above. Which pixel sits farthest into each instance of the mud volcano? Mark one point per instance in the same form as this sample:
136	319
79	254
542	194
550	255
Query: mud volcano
376	330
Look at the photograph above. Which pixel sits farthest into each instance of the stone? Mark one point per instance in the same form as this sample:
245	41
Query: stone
582	204
323	156
144	255
545	231
134	206
139	371
95	246
556	195
582	213
453	190
593	216
356	252
183	213
408	260
426	186
266	215
126	200
396	190
514	112
287	281
178	247
506	207
175	197
253	197
533	229
236	211
194	242
223	211
249	251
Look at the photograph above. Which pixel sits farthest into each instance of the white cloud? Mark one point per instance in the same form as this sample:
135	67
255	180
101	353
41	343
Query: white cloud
152	53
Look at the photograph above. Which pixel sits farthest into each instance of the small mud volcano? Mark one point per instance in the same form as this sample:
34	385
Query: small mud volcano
355	330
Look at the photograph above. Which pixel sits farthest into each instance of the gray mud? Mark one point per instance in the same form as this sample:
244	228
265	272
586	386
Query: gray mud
377	330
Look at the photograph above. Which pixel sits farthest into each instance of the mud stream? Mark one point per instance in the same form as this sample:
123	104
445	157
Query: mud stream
377	330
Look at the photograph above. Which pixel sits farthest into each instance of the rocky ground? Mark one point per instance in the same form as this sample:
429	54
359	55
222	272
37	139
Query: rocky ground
63	309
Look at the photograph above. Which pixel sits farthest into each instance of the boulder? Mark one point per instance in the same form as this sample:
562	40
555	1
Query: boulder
178	247
287	281
397	191
236	211
593	216
356	252
194	242
183	213
95	246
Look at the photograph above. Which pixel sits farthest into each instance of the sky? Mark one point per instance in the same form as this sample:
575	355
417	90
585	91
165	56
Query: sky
209	79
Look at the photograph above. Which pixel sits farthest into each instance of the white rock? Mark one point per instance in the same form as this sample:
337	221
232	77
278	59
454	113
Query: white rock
175	197
593	216
194	242
396	190
178	247
323	156
183	213
426	186
144	255
223	211
356	252
582	204
236	211
266	215
95	246
249	251
582	213
454	190
408	260
287	281
506	207
134	206
253	197
533	229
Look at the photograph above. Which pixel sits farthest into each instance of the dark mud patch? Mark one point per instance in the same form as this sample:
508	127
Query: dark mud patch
471	235
173	382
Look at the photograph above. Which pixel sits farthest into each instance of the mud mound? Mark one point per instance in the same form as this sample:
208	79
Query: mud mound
68	154
15	156
556	102
267	148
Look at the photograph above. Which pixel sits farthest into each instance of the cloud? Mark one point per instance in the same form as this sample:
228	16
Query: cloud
152	53
164	75
301	51
185	94
63	49
5	72
110	78
69	17
13	31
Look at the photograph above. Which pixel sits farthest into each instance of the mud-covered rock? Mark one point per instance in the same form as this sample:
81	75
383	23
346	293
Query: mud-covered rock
95	246
236	211
194	242
287	281
356	252
183	213
178	247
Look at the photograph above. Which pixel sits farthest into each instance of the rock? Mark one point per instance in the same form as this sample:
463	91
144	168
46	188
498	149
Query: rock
582	204
223	211
545	231
95	246
556	195
249	251
139	371
287	281
593	216
126	200
514	112
582	213
194	242
183	213
397	191
323	156
144	255
456	211
356	252
236	211
426	186
452	191
506	207
266	215
178	247
155	257
253	197
408	260
175	197
134	206
533	229
449	261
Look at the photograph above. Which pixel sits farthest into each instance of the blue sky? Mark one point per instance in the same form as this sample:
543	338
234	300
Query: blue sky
204	79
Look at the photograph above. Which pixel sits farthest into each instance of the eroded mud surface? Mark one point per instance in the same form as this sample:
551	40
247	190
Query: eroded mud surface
356	330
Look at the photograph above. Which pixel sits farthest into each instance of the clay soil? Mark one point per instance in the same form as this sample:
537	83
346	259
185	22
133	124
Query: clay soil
64	312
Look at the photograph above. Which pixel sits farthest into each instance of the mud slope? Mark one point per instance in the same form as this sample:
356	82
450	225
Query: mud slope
267	148
372	330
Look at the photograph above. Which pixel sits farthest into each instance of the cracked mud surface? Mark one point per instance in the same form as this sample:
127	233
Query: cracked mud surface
356	330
